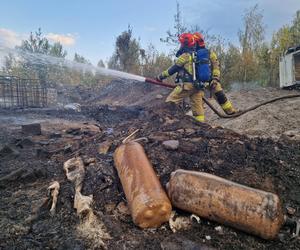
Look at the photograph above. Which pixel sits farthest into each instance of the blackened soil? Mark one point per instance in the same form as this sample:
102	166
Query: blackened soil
260	163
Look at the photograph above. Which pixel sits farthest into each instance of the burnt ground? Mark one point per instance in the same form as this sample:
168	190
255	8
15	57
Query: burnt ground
29	163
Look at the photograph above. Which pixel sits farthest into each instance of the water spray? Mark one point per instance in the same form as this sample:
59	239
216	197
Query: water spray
42	59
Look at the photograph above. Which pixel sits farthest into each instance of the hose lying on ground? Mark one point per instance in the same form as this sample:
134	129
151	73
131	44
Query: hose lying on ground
168	85
248	109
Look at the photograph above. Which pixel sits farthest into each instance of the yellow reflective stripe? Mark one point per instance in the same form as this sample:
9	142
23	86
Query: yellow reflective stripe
227	105
199	118
180	61
183	59
213	56
216	73
165	73
186	61
190	65
178	90
215	64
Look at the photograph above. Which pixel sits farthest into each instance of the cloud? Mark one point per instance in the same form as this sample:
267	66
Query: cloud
10	38
67	40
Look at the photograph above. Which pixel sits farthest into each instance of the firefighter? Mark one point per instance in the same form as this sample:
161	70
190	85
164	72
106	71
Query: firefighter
215	86
184	69
187	87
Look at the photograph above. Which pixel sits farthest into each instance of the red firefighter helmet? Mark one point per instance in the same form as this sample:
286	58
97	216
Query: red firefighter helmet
199	39
187	40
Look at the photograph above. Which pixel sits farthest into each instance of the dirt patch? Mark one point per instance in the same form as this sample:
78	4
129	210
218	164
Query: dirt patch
271	120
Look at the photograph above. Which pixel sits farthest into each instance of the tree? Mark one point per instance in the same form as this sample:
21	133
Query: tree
127	53
80	59
10	66
252	36
281	41
84	75
101	64
295	29
286	37
251	39
264	64
178	28
32	66
113	62
57	50
154	62
36	43
231	65
57	72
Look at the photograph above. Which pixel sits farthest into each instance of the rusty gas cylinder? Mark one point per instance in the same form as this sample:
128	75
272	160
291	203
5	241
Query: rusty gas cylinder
248	209
148	202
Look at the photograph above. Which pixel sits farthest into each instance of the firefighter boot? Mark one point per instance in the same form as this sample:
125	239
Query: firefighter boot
228	108
199	118
225	103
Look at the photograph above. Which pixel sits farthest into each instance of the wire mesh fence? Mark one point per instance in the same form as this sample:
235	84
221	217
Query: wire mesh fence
22	93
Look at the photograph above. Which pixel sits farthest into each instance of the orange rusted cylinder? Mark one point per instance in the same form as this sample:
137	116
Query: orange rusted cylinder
148	202
248	209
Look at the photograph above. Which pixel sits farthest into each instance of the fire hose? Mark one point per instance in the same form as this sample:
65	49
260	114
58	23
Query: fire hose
239	113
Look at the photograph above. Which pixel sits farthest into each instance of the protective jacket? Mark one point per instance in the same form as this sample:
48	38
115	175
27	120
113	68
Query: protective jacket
184	66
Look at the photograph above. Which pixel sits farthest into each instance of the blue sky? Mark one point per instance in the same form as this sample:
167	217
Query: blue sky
90	27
